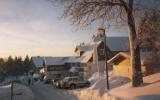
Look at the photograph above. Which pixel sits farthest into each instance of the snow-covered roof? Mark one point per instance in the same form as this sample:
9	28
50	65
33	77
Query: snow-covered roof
38	61
113	43
72	59
118	43
127	55
85	57
85	47
55	60
117	56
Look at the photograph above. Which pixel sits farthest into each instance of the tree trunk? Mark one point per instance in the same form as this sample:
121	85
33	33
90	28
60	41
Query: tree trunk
134	49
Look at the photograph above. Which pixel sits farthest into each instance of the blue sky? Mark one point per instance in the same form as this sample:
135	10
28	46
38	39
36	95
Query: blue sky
33	27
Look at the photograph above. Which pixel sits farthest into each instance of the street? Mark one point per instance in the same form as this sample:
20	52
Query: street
43	91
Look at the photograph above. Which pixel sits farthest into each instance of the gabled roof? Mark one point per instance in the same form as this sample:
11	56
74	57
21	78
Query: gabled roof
72	59
113	43
118	43
127	55
85	47
85	57
38	61
117	56
55	60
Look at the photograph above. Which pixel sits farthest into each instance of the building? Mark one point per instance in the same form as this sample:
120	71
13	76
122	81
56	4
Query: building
114	45
122	66
38	63
55	67
89	57
60	67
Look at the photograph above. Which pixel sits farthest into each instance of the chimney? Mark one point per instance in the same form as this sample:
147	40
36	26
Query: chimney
101	31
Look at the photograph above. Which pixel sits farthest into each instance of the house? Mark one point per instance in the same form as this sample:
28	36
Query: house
81	63
96	45
122	66
38	63
86	62
55	67
59	67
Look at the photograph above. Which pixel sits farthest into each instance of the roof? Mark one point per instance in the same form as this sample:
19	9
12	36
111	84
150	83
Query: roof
85	57
55	60
118	43
117	56
113	43
72	59
127	55
38	61
84	47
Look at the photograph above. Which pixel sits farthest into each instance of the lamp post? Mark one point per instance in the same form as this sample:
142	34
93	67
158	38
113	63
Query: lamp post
103	37
106	58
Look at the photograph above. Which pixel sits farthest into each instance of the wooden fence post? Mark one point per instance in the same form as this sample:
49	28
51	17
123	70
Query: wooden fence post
11	90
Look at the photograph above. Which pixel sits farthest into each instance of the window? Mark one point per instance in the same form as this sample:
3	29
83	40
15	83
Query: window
101	51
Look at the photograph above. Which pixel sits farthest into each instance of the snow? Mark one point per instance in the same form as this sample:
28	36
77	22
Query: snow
55	60
85	57
115	43
24	92
98	87
149	91
38	61
119	89
85	47
72	59
42	70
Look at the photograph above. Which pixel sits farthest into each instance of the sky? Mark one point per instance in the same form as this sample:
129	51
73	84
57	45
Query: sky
33	27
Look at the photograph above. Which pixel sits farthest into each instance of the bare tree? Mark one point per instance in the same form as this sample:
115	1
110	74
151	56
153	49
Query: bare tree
85	12
149	30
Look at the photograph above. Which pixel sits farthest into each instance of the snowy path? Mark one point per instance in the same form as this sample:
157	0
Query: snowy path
48	92
21	92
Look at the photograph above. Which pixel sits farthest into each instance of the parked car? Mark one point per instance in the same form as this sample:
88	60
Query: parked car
73	82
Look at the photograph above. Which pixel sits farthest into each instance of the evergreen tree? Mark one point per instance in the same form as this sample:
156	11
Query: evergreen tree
9	66
26	64
32	66
20	67
2	71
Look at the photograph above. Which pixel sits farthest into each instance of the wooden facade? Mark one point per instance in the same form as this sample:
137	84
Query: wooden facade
122	66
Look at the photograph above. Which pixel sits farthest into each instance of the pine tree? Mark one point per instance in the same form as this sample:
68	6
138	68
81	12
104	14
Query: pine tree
26	64
2	70
9	66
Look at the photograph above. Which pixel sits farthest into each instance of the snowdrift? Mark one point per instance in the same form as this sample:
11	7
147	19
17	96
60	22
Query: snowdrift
120	89
98	87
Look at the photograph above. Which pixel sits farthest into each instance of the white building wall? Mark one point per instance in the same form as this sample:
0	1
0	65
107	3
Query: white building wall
101	67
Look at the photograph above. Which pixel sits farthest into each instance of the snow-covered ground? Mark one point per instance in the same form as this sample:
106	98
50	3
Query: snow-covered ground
98	88
119	89
149	91
43	91
21	92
